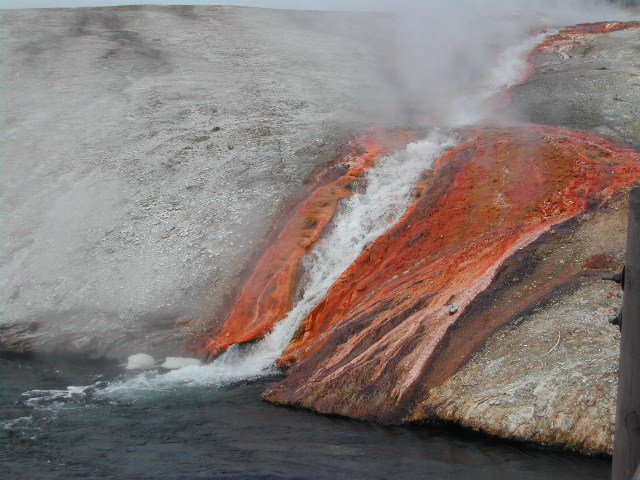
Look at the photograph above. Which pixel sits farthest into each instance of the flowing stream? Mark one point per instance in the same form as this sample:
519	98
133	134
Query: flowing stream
224	433
361	219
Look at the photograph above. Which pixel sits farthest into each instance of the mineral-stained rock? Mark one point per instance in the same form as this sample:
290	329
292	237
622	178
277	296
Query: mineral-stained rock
549	377
550	374
481	306
571	38
425	296
267	293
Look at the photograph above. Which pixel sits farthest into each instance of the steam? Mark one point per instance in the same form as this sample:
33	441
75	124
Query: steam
445	57
446	51
442	53
361	219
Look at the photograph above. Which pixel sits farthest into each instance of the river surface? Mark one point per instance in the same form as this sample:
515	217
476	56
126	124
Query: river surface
227	432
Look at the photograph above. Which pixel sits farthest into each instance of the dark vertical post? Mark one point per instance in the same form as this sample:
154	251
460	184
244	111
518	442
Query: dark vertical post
626	455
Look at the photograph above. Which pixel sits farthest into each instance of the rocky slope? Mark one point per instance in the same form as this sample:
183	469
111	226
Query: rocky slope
268	293
511	387
585	78
463	263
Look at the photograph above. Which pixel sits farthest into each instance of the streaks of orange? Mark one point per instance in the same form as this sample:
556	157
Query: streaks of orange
569	37
267	293
494	193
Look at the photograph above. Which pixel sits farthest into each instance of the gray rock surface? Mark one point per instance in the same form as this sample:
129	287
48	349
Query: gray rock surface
594	85
147	151
550	376
550	380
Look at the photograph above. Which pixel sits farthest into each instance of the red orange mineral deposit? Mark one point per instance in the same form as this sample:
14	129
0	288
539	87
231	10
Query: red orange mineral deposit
568	38
366	346
267	293
493	193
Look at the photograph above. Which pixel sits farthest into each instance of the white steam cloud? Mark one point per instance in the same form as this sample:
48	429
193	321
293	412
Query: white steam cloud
445	50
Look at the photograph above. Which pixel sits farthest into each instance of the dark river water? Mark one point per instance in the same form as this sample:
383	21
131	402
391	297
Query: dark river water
229	433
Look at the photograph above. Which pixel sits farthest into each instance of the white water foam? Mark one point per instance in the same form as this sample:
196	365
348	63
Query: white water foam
140	361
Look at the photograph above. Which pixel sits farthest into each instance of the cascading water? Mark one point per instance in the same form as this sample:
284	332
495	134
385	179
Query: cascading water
362	218
220	114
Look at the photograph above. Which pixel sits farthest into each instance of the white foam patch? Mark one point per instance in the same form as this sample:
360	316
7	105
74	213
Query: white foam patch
25	427
48	398
16	423
140	361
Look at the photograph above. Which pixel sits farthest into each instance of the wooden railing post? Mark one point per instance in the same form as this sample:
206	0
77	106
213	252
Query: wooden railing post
626	455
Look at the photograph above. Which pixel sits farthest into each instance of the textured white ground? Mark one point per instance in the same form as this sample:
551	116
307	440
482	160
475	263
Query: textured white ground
147	152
